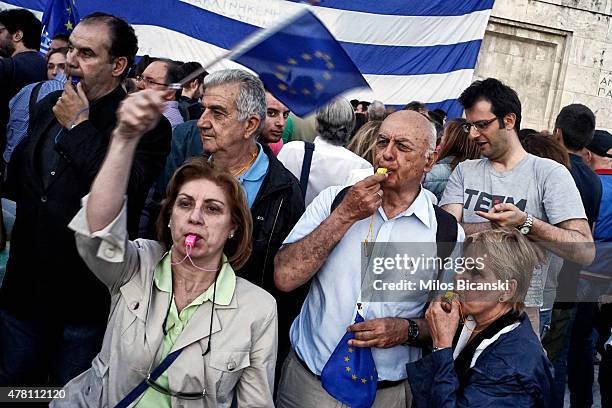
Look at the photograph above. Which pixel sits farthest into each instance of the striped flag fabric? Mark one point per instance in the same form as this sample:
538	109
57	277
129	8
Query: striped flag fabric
406	49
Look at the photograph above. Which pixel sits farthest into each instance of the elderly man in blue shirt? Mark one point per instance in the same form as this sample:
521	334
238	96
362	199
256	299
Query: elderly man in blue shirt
325	247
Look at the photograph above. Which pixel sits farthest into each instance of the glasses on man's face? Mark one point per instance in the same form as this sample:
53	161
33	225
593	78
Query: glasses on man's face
478	125
149	81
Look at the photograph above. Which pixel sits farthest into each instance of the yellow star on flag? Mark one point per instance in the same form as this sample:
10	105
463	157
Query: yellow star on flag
292	61
282	87
347	359
326	76
279	75
347	368
305	91
354	377
281	68
350	349
306	57
68	26
363	381
319	54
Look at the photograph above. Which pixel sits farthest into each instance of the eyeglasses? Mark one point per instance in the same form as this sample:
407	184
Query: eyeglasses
479	125
148	81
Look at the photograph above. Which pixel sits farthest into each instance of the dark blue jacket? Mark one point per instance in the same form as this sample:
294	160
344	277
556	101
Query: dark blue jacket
512	372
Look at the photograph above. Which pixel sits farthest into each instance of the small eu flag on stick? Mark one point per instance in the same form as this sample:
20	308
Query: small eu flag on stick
300	63
350	373
60	17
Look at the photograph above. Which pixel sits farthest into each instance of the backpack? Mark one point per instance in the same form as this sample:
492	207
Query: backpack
34	97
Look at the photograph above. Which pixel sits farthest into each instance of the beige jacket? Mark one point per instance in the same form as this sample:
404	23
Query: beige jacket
243	344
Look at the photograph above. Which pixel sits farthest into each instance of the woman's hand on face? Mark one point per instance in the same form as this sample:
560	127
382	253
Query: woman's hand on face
442	324
138	113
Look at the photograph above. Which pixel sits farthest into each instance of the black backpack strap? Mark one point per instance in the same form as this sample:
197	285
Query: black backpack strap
305	175
338	199
446	234
34	97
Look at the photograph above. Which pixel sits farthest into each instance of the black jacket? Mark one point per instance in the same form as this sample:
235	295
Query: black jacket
45	274
277	208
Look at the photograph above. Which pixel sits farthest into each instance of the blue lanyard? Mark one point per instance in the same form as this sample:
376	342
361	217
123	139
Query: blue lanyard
142	387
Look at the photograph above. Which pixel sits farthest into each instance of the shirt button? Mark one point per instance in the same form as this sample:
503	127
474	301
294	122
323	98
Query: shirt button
231	366
43	199
53	173
177	330
134	305
109	252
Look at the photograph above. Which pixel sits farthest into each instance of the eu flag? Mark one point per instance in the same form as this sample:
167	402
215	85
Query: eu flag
350	373
300	63
60	17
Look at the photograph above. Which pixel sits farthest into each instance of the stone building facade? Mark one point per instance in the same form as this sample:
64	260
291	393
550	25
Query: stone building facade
553	52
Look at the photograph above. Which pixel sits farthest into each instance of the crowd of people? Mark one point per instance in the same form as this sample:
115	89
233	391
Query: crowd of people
207	247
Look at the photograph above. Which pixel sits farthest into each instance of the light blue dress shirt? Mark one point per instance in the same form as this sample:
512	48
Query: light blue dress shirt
252	179
17	127
335	290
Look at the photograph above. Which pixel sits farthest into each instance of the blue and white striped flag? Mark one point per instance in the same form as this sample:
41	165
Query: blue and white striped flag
406	49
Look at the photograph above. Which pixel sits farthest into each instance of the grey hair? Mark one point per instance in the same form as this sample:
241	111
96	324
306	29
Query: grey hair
433	138
251	99
336	121
377	111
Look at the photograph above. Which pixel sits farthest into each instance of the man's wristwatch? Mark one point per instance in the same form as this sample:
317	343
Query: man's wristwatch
413	332
526	227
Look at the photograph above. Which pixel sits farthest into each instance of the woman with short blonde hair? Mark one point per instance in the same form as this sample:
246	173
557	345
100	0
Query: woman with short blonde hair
494	359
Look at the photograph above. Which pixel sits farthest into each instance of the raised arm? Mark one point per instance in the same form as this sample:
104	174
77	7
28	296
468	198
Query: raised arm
570	239
137	114
296	263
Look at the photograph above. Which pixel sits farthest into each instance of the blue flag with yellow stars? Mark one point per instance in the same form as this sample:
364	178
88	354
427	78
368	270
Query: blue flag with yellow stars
300	63
60	17
350	373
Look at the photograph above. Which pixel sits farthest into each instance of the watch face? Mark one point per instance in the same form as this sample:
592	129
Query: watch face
524	230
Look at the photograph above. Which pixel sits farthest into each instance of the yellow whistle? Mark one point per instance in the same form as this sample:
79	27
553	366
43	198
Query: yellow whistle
381	170
449	296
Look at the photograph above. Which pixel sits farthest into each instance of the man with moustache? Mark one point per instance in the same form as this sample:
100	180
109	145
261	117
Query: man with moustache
325	247
53	311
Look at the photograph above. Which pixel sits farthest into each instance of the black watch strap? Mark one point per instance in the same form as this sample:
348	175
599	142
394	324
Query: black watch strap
413	331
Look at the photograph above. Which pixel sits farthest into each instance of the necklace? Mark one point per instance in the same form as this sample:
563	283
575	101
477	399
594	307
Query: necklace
367	242
243	169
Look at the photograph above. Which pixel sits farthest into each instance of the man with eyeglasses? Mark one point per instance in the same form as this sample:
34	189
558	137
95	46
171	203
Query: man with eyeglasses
53	311
511	188
158	75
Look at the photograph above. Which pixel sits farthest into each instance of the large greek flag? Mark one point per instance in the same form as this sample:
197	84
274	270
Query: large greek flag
406	49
